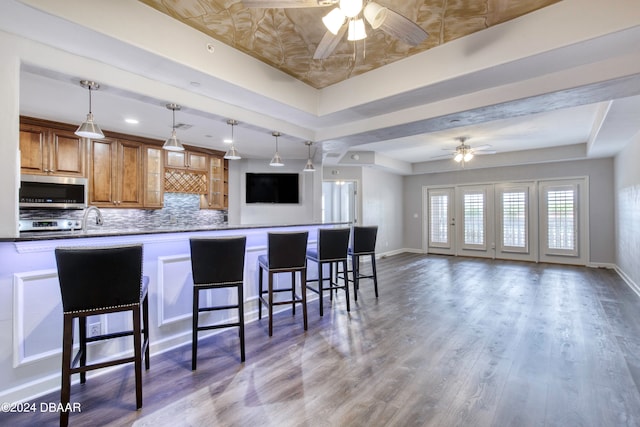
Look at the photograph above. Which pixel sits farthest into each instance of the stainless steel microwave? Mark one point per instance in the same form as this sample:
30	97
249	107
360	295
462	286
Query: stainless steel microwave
52	192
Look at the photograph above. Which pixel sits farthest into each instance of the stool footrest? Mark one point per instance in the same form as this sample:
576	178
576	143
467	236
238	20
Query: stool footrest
221	307
220	326
109	336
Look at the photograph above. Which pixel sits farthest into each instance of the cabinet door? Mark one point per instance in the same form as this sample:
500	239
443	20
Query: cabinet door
215	192
67	153
176	159
197	161
33	150
129	174
153	177
102	171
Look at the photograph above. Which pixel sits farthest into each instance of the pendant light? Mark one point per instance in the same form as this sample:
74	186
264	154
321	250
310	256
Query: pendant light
309	166
173	143
89	129
232	153
276	161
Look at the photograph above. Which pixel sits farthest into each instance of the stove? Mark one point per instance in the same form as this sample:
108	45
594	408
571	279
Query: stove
49	224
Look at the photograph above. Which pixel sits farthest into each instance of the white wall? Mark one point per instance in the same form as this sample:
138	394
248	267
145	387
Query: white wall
382	205
627	202
306	211
601	208
9	138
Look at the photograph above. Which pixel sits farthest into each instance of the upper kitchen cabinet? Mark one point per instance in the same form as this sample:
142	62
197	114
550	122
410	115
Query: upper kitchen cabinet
46	150
216	197
116	173
186	160
153	177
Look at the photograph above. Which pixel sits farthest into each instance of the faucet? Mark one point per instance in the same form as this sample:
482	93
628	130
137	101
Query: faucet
99	220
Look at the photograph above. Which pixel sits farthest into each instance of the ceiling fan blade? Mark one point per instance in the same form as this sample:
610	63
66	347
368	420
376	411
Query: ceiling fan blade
482	152
286	4
442	156
403	28
481	147
329	43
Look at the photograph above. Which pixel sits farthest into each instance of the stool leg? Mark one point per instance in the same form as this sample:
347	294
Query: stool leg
293	293
320	290
145	319
241	319
303	285
137	349
354	272
65	387
260	292
82	333
375	273
194	328
346	282
270	303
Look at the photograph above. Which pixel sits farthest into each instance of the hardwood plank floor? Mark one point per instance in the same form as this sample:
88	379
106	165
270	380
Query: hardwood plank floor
450	342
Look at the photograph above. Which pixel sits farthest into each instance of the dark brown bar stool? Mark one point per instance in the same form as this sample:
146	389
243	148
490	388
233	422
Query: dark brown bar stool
332	250
94	281
217	263
364	244
286	253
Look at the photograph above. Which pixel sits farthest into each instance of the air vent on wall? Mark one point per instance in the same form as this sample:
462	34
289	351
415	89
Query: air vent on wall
183	126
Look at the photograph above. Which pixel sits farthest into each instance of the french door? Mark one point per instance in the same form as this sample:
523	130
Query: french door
529	221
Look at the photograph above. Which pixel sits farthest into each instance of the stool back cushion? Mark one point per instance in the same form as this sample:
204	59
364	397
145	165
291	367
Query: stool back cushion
287	250
364	239
99	277
333	243
217	260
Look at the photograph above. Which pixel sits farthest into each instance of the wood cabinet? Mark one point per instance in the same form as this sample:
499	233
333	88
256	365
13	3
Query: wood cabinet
116	173
186	160
216	197
48	151
153	177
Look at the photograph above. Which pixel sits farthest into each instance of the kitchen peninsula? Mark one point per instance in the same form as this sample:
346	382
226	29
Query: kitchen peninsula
31	324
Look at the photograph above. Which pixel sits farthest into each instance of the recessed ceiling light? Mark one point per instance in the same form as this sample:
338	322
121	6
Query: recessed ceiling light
195	84
227	141
132	121
211	48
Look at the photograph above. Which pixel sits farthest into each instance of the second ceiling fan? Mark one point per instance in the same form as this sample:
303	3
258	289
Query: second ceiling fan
349	17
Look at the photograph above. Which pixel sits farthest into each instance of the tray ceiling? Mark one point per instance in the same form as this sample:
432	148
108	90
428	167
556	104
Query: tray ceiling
287	38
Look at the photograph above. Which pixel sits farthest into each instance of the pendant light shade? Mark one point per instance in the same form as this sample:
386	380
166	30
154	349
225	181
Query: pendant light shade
277	160
173	143
309	166
89	129
232	153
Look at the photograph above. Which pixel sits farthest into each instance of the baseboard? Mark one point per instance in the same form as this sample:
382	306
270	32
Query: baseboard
632	285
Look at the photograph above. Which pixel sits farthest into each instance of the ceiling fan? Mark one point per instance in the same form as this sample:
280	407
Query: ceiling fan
347	17
464	152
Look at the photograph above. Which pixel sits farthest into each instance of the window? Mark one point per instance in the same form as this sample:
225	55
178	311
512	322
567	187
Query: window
474	219
561	215
515	220
438	218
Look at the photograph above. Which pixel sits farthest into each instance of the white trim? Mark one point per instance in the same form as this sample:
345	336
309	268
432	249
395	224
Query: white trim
632	285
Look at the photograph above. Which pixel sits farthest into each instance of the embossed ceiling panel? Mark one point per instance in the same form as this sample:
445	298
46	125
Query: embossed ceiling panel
287	38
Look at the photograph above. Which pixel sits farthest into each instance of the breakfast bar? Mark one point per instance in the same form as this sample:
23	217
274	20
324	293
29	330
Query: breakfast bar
31	310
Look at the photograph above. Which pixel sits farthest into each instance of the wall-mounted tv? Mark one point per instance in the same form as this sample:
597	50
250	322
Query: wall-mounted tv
272	188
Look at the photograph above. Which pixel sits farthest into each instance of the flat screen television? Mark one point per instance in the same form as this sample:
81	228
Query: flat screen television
272	188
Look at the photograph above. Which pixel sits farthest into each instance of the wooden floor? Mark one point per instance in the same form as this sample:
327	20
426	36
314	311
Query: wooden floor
450	342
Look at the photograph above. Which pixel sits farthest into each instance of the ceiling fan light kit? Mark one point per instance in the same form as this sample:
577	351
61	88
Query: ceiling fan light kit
375	14
334	20
356	30
350	8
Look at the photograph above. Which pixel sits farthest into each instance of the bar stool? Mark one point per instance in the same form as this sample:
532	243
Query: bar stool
364	244
332	250
217	263
94	281
286	252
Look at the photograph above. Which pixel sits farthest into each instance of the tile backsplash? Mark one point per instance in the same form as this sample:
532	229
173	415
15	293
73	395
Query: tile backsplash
179	211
